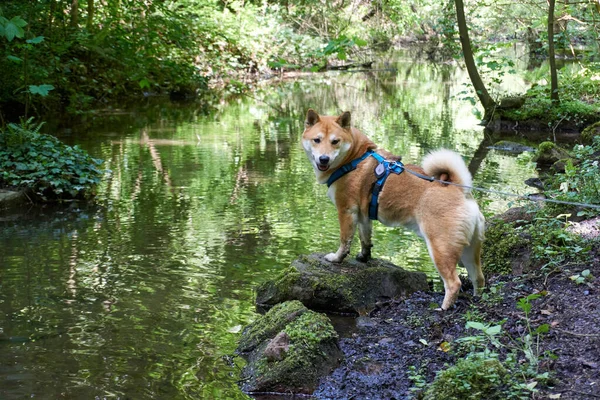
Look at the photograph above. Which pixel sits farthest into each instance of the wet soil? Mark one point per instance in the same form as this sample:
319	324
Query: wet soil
410	333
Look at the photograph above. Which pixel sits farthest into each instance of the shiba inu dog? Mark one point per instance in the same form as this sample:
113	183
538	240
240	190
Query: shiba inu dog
446	216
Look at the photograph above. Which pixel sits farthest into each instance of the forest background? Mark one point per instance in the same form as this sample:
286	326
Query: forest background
77	55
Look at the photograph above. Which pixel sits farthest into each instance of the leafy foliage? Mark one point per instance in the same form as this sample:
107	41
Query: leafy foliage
53	170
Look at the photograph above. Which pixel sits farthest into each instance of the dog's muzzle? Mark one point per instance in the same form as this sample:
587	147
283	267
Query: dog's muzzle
323	164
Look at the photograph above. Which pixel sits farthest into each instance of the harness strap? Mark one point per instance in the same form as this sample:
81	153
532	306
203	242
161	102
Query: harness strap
351	166
383	170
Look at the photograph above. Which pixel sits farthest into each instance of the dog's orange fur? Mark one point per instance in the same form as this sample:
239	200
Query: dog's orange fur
446	216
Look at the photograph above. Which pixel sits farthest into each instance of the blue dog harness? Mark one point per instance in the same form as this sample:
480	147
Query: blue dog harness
382	171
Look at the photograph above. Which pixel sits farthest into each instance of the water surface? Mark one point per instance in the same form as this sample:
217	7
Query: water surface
143	293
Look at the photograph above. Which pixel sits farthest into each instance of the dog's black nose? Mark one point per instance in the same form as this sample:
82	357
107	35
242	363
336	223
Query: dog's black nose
324	160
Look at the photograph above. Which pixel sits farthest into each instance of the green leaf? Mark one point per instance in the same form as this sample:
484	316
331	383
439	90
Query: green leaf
18	21
493	330
585	272
14	28
476	325
144	83
544	328
36	40
15	59
42	90
359	42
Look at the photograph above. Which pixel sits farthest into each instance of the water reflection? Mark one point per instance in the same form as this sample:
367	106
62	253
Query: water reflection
141	295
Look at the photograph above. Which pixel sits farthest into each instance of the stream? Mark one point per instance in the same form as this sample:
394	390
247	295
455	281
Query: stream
143	293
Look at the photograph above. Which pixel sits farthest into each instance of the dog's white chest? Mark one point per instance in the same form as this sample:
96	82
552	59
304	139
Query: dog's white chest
331	194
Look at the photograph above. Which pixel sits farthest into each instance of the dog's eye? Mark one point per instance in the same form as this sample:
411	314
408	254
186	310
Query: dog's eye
335	141
317	140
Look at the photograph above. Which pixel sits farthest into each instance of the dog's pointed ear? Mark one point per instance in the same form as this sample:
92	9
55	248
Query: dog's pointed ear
311	118
344	120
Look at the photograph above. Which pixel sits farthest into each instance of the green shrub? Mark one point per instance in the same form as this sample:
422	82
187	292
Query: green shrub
45	165
479	376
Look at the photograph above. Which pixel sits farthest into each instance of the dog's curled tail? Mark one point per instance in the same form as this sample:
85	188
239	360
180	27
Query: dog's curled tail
448	166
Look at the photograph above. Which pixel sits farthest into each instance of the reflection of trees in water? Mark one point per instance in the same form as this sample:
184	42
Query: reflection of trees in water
196	211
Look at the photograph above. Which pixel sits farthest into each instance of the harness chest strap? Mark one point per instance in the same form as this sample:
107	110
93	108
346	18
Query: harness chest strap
383	170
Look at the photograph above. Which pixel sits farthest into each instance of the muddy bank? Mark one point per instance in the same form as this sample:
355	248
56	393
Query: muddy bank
400	349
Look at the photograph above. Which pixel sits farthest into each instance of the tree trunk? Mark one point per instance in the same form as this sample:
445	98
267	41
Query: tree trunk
90	15
74	13
484	97
552	59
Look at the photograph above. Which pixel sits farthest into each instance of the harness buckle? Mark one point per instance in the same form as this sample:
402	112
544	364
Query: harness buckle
380	170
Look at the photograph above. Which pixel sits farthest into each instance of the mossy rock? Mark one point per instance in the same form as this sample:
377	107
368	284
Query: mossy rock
588	134
350	286
472	378
512	102
10	198
268	325
511	147
548	153
506	251
308	350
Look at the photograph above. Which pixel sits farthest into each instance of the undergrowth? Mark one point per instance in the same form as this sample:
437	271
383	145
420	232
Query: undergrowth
43	164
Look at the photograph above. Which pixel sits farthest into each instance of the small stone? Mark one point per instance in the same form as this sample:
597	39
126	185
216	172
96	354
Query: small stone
277	347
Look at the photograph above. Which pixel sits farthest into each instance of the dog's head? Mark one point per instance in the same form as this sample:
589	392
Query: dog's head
326	141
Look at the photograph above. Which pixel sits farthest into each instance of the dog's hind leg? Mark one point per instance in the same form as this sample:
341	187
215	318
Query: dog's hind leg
471	255
471	259
445	258
365	228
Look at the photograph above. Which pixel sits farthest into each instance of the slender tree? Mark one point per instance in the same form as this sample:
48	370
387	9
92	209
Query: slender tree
74	13
486	100
553	74
90	15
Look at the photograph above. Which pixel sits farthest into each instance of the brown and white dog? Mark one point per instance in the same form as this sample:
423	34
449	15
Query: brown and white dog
446	216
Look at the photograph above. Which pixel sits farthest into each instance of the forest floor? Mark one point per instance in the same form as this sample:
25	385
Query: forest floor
407	340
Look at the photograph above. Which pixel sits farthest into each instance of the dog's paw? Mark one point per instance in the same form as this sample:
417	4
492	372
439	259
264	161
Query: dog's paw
363	257
332	257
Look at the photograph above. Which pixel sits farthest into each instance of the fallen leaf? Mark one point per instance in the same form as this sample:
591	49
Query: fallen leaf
445	347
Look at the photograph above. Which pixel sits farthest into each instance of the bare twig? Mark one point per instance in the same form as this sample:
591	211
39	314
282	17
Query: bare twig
577	334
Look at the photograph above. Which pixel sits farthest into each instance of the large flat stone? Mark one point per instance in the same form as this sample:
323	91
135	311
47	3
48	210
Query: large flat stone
350	286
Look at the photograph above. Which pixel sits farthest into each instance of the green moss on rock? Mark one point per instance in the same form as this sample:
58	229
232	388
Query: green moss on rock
346	287
501	248
548	153
313	345
587	135
473	378
311	353
268	325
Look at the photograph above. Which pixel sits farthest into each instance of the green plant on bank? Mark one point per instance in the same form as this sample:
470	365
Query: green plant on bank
417	377
530	342
581	180
579	92
477	376
49	168
481	373
13	29
582	277
544	232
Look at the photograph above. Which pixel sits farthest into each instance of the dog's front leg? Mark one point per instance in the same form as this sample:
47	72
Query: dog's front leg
347	227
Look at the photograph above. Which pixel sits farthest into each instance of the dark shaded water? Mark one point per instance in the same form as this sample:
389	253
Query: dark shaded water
143	294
